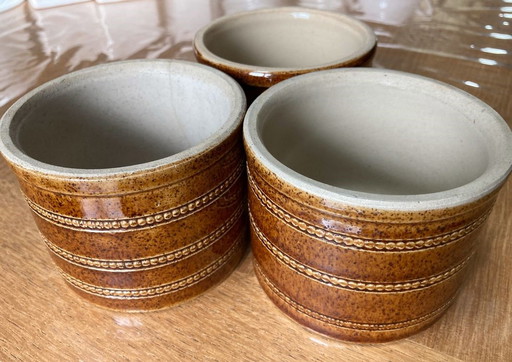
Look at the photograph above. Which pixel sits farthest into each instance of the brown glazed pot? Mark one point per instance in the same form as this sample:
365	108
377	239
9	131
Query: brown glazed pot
367	192
135	175
260	48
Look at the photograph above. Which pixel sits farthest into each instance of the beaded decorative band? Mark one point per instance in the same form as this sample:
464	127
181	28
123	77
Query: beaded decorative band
145	221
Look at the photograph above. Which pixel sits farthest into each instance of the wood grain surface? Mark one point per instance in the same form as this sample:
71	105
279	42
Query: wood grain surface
42	319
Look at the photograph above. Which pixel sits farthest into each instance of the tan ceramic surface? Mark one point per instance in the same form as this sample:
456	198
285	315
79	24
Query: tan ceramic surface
41	318
142	236
263	47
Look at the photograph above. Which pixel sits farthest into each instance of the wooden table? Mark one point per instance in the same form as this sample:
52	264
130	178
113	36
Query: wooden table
466	43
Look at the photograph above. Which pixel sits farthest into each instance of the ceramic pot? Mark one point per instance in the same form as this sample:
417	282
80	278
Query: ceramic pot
134	172
367	192
263	47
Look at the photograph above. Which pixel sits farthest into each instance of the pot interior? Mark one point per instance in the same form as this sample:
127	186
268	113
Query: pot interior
122	116
374	137
287	39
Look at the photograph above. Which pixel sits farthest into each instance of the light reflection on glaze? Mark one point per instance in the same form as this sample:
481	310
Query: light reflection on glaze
487	61
471	84
261	74
91	208
494	50
333	224
500	36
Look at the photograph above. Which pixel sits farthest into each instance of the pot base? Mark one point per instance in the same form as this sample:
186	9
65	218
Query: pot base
341	329
165	296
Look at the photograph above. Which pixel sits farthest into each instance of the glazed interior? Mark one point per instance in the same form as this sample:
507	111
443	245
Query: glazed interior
372	134
287	38
122	115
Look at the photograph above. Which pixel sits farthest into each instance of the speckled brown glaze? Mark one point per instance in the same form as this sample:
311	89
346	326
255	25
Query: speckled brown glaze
256	77
119	250
346	256
257	82
369	275
147	239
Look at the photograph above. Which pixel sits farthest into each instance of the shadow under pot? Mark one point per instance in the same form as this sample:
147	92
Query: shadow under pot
134	172
367	192
260	48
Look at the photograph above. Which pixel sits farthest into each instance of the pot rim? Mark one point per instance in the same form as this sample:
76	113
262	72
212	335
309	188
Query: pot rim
18	158
500	163
261	71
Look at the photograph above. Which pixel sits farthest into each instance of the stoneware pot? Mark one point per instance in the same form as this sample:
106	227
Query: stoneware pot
134	172
263	47
367	189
